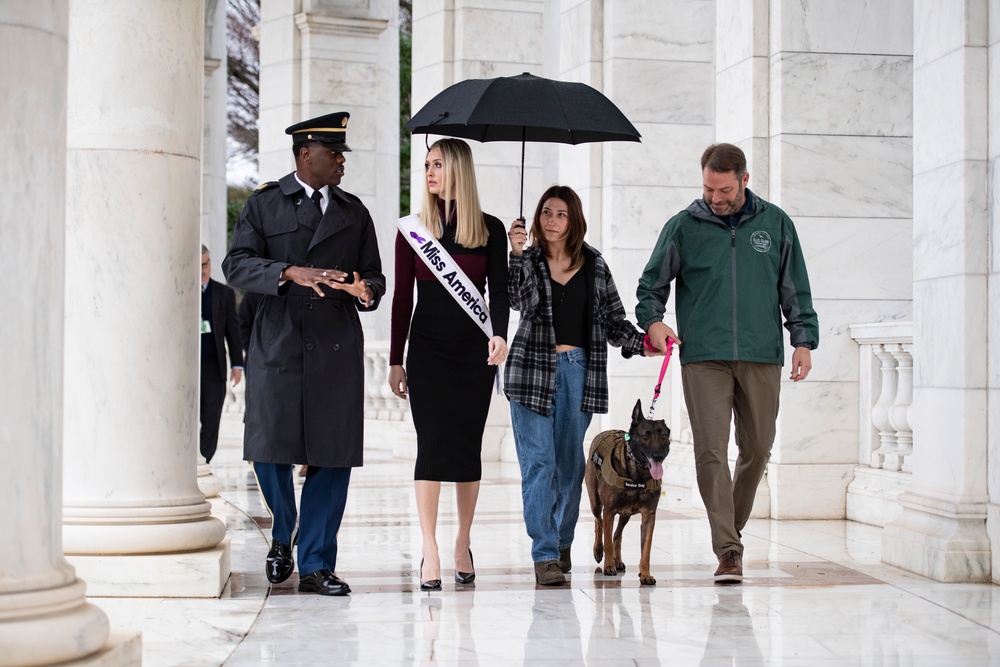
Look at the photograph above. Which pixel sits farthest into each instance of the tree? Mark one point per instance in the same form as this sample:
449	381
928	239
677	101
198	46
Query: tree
405	85
243	69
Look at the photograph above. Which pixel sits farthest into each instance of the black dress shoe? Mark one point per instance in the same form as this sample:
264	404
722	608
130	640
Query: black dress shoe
279	564
324	582
432	585
466	577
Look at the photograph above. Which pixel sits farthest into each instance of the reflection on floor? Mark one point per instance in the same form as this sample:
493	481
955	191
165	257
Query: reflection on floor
814	593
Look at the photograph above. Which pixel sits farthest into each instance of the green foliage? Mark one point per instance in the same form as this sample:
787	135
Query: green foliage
405	85
236	197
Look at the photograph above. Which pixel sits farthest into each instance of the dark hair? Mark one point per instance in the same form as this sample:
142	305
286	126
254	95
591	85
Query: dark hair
723	158
575	231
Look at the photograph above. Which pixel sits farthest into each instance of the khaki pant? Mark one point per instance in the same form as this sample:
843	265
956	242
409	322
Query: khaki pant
714	392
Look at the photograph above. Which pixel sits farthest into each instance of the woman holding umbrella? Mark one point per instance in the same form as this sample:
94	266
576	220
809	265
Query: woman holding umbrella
556	377
451	364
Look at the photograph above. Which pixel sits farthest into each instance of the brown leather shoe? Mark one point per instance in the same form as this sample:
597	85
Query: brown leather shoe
547	573
565	561
730	568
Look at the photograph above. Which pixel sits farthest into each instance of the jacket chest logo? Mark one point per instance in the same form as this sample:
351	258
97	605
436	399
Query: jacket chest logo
760	241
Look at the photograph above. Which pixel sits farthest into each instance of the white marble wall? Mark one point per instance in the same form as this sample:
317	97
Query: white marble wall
657	65
214	153
454	41
993	290
942	531
321	56
132	251
838	162
44	615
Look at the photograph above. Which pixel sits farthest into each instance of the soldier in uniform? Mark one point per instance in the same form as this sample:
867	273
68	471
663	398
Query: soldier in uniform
309	248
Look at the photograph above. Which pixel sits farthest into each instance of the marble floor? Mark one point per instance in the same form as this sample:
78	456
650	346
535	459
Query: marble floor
814	593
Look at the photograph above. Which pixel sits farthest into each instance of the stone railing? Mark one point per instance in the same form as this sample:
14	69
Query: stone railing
885	437
379	401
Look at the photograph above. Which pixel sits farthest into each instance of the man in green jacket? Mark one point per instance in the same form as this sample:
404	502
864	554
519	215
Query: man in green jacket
738	268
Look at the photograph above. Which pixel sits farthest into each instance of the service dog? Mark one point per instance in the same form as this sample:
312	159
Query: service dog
624	473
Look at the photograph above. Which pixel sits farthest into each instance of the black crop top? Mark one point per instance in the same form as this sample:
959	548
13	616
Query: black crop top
569	311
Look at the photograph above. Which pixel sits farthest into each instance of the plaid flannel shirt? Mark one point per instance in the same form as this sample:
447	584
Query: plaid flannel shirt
530	374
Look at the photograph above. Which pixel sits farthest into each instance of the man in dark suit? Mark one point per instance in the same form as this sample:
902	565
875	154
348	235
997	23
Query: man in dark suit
219	328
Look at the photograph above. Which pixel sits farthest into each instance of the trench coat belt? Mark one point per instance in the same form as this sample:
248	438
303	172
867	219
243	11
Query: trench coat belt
300	290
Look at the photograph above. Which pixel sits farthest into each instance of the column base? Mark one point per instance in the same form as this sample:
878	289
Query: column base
195	574
815	491
993	531
49	626
123	648
208	483
939	538
873	495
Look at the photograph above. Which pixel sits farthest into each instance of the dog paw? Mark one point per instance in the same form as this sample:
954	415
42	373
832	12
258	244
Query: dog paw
649	580
620	567
598	554
610	572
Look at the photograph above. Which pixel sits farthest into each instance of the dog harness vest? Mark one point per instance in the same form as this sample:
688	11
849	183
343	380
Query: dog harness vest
602	459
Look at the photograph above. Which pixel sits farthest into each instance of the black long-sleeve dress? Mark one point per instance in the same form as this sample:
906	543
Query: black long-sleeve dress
449	382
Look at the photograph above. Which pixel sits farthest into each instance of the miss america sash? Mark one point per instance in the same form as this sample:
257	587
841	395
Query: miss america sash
447	271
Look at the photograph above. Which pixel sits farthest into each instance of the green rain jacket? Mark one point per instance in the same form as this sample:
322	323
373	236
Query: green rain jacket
733	285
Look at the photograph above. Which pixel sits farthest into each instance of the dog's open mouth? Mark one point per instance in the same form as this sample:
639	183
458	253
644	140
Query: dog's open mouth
655	468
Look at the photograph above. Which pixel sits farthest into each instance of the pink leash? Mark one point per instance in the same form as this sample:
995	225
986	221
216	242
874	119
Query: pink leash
663	371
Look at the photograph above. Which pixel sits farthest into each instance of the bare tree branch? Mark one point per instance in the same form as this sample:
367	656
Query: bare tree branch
243	75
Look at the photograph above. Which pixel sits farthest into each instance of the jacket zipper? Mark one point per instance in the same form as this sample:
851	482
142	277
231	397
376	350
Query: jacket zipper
736	348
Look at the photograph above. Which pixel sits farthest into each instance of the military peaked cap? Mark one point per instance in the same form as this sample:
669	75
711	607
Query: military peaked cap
329	130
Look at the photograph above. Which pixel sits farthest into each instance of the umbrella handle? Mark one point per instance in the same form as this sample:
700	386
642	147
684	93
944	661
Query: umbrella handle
521	214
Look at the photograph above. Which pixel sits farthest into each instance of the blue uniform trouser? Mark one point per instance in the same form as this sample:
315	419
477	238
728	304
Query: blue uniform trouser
324	496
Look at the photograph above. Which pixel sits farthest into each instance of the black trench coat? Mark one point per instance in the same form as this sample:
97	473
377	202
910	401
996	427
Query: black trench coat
305	366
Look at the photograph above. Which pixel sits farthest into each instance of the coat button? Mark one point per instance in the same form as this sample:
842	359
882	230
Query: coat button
309	306
309	346
336	306
336	347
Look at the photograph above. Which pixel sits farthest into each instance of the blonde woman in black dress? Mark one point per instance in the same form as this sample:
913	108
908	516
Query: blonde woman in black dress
450	363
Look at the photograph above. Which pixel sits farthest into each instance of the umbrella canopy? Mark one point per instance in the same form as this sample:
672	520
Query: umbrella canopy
523	108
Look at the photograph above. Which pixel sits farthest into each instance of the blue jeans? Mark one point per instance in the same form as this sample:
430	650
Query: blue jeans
550	451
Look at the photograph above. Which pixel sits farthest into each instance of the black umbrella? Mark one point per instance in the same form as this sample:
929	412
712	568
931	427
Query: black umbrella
523	108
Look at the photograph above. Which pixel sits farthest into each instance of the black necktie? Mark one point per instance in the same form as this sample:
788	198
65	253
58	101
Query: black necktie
317	198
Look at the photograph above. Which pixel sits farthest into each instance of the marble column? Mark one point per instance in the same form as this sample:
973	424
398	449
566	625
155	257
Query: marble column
213	163
134	520
213	167
941	532
817	95
452	42
660	76
993	290
319	56
44	615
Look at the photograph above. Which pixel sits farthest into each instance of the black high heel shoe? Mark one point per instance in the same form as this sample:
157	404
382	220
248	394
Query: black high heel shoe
432	585
466	577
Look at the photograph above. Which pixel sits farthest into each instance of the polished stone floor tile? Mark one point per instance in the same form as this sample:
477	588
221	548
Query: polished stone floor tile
814	593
